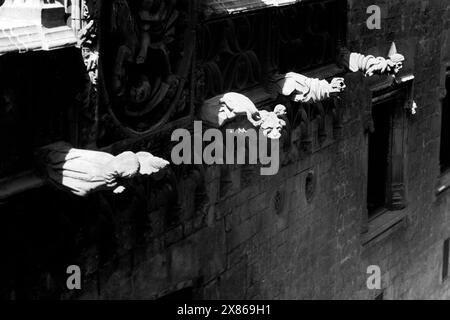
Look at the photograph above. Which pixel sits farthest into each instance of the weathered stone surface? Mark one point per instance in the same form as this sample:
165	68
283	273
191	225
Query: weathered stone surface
83	172
161	242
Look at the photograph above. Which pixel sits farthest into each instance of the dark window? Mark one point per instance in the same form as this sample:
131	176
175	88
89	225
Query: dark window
445	129
379	142
445	260
385	157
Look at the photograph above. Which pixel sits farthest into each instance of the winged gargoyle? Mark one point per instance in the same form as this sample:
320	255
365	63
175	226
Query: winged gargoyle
83	172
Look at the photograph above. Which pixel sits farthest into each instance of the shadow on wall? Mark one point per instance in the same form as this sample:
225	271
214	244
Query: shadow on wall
40	230
42	233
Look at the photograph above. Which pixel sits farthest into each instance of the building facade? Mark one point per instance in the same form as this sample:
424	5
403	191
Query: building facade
363	176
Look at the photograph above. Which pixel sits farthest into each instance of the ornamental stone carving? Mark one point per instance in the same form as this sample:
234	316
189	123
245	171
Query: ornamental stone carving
147	53
307	90
371	65
83	172
221	109
271	122
224	108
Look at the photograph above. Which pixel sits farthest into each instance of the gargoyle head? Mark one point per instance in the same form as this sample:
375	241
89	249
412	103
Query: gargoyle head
271	124
395	61
337	85
280	110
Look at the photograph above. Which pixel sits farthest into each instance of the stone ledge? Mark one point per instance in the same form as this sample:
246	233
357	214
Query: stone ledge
382	226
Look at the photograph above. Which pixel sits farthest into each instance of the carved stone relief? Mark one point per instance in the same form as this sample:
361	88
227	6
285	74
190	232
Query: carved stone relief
88	99
147	53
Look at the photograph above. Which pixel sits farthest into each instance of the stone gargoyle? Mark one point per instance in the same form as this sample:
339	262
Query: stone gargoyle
371	65
307	90
83	172
224	108
271	123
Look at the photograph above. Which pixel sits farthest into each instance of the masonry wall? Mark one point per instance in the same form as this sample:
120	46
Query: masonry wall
296	235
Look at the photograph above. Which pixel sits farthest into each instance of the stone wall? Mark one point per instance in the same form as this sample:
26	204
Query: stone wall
229	233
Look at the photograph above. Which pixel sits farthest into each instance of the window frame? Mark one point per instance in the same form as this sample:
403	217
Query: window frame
392	216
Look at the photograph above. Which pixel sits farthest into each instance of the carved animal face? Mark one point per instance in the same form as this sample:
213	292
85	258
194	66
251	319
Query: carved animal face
272	125
397	62
280	110
337	84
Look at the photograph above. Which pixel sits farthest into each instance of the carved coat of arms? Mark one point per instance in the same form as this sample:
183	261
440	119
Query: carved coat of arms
147	46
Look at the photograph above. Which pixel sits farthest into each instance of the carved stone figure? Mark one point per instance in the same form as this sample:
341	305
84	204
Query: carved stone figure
224	108
271	124
137	40
83	172
151	12
88	42
371	65
148	47
303	89
233	104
